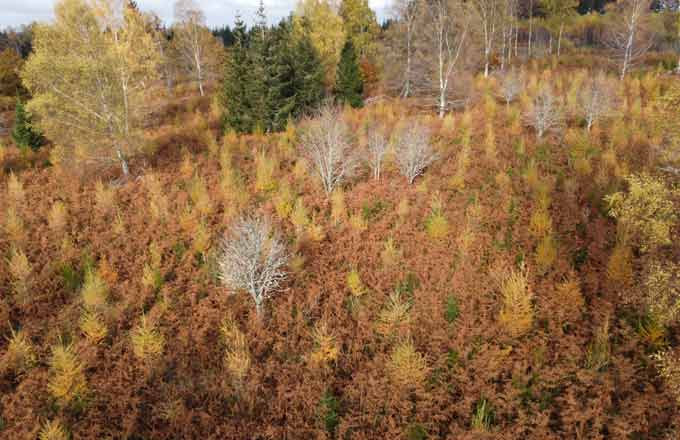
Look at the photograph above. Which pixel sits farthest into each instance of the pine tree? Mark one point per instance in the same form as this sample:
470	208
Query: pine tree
235	90
24	135
349	85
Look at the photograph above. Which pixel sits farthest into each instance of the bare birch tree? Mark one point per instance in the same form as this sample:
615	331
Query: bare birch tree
445	36
545	113
596	99
508	27
326	143
510	85
199	51
376	150
253	259
406	12
413	150
627	37
490	15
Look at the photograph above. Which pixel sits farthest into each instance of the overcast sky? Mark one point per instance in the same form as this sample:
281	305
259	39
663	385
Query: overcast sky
218	12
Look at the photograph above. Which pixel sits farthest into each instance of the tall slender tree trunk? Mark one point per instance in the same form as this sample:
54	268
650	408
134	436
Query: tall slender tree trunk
442	102
123	163
503	48
407	85
627	53
199	72
531	25
559	39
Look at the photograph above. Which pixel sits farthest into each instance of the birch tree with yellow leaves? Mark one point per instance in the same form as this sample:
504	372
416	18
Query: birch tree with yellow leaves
90	76
320	20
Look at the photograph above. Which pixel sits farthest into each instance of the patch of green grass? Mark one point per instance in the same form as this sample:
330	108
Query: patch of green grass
482	417
416	431
329	406
452	310
452	358
373	211
71	277
408	285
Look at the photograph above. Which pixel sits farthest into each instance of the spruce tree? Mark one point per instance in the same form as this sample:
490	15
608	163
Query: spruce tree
24	135
349	86
236	88
281	96
258	85
309	74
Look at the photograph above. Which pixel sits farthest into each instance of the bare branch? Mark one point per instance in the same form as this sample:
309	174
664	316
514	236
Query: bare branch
325	142
510	85
413	150
376	150
545	114
596	100
252	259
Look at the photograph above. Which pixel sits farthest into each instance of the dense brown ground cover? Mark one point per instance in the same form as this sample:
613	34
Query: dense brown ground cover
539	383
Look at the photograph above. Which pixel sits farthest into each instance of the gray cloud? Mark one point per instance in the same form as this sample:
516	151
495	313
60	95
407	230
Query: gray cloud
218	12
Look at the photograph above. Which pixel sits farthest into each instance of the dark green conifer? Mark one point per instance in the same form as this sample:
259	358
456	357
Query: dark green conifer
24	134
349	86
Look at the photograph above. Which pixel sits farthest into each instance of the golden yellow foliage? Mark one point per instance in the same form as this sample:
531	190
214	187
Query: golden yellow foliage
95	292
299	217
437	226
265	167
645	213
77	110
53	430
284	201
201	239
14	226
21	270
338	206
200	197
315	231
20	355
599	352
406	367
67	375
546	254
147	342
57	217
93	328
517	311
540	224
357	222
236	356
326	348
319	19
668	363
662	292
395	317
354	283
15	190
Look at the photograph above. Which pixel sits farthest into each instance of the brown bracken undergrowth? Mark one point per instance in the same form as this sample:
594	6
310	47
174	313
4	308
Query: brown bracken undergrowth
398	318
